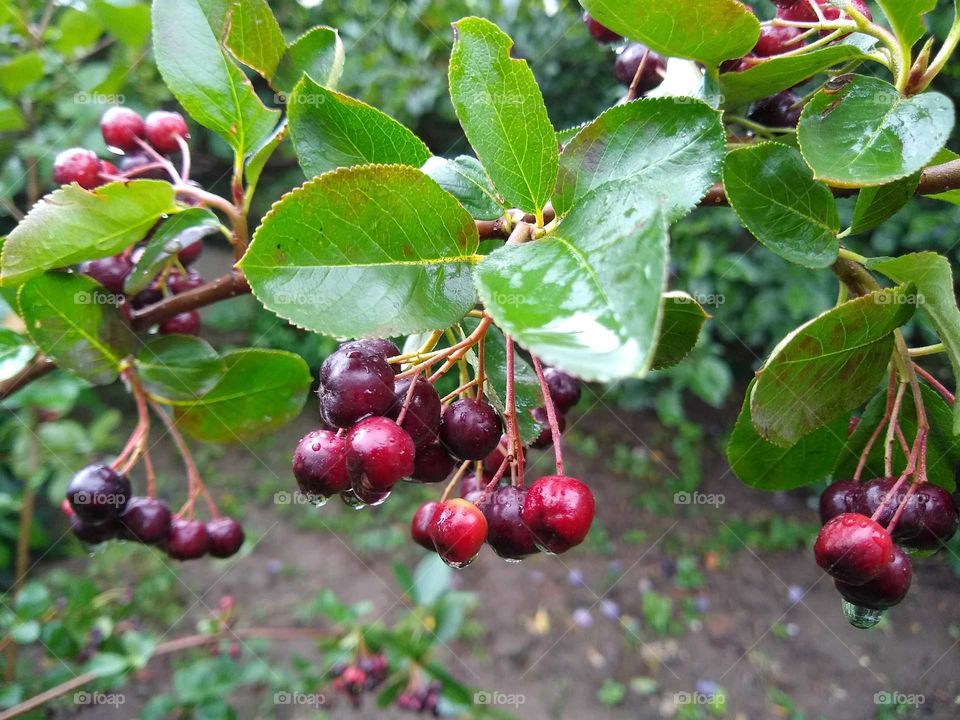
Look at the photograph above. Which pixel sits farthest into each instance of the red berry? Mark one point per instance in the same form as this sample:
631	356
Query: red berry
470	429
179	283
111	272
320	465
545	438
564	389
559	511
374	346
432	464
628	63
79	166
121	128
420	524
185	323
843	496
98	493
146	520
507	534
163	128
187	540
379	454
225	537
422	419
191	253
458	530
776	39
107	168
354	384
886	589
853	548
598	32
800	11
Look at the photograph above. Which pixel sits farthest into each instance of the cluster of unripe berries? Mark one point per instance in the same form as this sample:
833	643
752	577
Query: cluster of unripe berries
378	431
630	58
361	677
867	561
124	131
101	506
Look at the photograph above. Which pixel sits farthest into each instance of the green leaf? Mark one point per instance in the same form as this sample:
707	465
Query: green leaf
502	113
331	130
173	235
259	391
254	37
710	31
465	179
828	366
105	664
71	225
876	205
906	17
666	147
258	158
779	73
11	119
16	352
943	448
318	53
431	579
766	466
526	386
207	83
25	633
179	367
933	277
776	198
861	131
586	298
126	21
377	250
77	324
683	319
19	72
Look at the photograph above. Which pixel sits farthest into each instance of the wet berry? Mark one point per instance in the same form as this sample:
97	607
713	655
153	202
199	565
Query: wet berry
185	323
320	464
111	272
432	463
421	523
853	548
545	438
187	539
458	531
422	419
564	389
470	429
121	128
162	129
888	588
79	166
379	454
559	511
628	63
507	534
598	32
843	496
354	384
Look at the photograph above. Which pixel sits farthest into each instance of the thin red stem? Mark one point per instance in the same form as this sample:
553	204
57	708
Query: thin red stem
195	482
407	399
935	384
551	413
514	443
877	430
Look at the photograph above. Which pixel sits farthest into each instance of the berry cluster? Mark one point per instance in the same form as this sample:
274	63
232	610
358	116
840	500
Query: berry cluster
421	699
637	66
101	506
381	427
363	676
867	526
144	144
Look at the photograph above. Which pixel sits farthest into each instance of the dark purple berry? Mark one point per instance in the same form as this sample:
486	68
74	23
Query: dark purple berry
179	283
843	496
111	272
422	419
545	438
354	384
187	540
929	519
225	536
131	164
92	534
564	389
432	464
98	493
507	534
599	32
185	323
320	464
886	589
628	63
779	111
146	520
470	429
